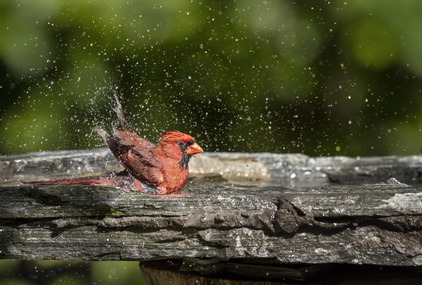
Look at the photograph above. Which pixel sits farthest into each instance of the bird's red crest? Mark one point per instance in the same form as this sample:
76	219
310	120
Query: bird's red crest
175	136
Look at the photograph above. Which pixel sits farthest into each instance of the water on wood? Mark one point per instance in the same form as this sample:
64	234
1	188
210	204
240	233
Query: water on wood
301	211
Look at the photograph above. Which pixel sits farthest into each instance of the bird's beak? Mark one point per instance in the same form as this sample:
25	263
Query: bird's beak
194	149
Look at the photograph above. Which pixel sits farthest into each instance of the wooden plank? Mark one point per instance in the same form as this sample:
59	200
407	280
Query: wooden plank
254	207
97	223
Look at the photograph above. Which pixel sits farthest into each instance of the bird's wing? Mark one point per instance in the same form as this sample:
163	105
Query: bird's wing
135	154
143	166
131	139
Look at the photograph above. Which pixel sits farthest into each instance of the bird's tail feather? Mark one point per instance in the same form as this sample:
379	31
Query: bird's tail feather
120	115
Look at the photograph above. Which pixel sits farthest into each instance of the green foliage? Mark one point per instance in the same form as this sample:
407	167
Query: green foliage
23	272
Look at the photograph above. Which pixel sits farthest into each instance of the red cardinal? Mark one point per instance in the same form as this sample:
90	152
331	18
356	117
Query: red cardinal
154	169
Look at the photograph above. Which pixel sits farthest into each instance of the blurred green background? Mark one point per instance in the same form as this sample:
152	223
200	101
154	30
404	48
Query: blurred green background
313	77
55	272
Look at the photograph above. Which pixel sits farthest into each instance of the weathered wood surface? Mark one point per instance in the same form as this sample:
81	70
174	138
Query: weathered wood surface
296	216
290	170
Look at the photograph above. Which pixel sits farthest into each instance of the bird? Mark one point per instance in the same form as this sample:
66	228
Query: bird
160	169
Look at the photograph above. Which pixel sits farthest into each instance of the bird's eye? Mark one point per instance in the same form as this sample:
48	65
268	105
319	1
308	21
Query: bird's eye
180	143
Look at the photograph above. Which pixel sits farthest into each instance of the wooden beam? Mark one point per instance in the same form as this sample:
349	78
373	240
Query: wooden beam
260	220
